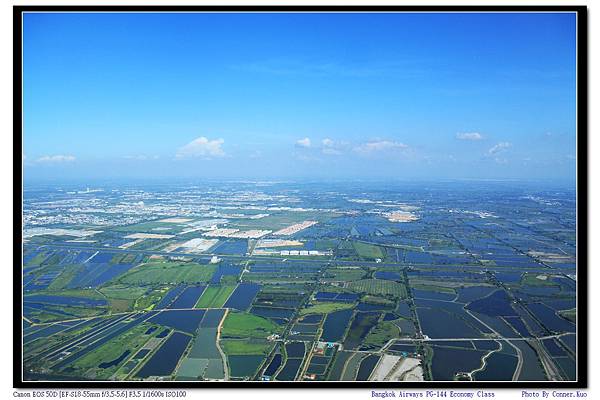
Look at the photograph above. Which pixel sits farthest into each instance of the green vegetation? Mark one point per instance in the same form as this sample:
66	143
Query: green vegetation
37	260
164	228
214	296
379	287
377	300
168	273
65	277
344	274
122	297
432	288
325	308
229	280
366	250
381	334
571	315
244	347
533	279
149	300
88	293
244	325
118	291
121	258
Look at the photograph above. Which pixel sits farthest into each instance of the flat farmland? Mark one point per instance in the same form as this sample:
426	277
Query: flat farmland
379	287
168	273
215	296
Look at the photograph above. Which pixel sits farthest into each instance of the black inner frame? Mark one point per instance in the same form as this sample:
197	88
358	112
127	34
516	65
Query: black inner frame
582	203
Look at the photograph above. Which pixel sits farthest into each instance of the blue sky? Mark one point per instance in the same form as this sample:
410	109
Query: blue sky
406	96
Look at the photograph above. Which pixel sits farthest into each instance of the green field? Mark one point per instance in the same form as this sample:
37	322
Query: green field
379	287
122	298
381	334
344	274
123	258
571	315
243	347
165	228
244	325
215	296
533	280
325	308
123	292
366	250
62	280
168	273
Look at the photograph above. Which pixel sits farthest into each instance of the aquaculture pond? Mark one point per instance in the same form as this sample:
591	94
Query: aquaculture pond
499	367
94	275
244	365
360	327
407	327
295	350
337	297
553	347
224	270
290	369
188	298
549	318
519	326
65	301
403	348
205	344
233	247
403	309
508	277
444	366
531	369
242	296
116	361
270	312
273	365
337	367
212	318
570	341
390	276
439	324
486	344
312	319
496	304
430	294
367	366
468	294
44	332
164	361
183	320
335	325
170	296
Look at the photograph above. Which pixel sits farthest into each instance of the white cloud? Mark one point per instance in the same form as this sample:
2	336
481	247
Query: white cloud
202	147
303	142
331	151
331	147
499	148
379	146
469	136
59	158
